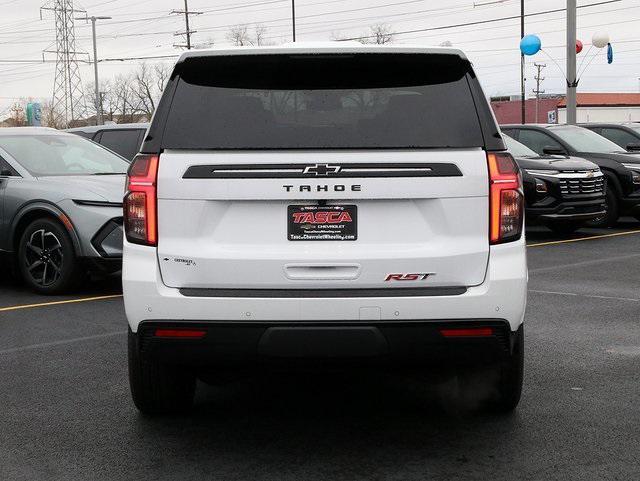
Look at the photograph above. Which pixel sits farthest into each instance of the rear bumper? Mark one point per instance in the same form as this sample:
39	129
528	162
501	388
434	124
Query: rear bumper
502	294
385	342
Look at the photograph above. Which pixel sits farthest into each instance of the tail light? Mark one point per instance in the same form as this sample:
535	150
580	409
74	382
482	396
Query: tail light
140	201
506	211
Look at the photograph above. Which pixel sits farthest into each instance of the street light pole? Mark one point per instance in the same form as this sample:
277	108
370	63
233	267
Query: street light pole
523	113
293	18
98	101
572	81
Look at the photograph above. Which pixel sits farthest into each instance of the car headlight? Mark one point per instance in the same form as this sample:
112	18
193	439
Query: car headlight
541	186
635	172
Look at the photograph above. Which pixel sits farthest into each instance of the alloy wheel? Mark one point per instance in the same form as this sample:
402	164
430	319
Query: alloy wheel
44	257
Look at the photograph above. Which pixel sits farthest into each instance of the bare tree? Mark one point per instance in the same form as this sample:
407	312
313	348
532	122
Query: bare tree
127	97
144	90
125	101
51	118
241	37
259	35
162	71
380	34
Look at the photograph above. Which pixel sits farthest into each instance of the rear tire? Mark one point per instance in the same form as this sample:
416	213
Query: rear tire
46	258
509	379
158	388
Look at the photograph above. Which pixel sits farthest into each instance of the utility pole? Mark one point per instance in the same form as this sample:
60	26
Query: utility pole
523	112
97	99
188	32
293	18
537	90
572	81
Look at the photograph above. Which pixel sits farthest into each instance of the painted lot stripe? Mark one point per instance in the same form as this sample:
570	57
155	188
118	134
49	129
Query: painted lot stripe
44	345
580	239
57	303
593	296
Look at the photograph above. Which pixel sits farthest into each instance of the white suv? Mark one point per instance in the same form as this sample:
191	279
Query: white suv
331	203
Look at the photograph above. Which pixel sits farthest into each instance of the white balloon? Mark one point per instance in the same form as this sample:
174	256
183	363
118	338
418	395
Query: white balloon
600	39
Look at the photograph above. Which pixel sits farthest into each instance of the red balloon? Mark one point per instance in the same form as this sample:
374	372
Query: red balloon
578	46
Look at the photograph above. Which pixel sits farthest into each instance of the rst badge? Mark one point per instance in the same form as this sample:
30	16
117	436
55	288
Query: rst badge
327	222
409	277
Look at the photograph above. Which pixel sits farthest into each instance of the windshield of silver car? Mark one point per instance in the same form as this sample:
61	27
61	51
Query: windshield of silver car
44	155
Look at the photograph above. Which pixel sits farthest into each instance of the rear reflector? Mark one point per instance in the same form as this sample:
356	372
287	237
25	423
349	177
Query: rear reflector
181	333
467	332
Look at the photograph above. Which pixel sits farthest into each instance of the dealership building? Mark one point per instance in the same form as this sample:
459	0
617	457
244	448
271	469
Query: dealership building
592	107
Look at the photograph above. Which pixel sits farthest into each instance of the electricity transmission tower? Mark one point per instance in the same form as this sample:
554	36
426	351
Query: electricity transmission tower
188	32
68	103
537	90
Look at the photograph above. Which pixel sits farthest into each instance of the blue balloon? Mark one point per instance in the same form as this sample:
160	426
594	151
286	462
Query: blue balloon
530	44
609	53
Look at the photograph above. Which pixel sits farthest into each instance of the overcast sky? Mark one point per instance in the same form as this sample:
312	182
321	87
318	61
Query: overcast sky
145	28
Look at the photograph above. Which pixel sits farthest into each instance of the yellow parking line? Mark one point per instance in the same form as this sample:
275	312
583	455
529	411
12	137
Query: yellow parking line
580	239
57	303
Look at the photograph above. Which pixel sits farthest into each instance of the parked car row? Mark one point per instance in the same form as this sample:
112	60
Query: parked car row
563	193
621	168
62	196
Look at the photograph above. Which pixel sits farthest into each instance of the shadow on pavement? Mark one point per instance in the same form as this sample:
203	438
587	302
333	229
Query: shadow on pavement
538	233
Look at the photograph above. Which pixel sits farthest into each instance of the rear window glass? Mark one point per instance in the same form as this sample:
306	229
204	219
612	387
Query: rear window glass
323	102
123	142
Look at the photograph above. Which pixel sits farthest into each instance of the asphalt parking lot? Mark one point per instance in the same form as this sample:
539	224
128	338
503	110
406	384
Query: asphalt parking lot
67	414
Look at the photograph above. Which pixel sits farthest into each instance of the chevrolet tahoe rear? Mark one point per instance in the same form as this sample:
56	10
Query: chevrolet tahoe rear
322	204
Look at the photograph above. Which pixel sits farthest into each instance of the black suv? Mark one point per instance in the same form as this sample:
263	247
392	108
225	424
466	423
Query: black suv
625	135
563	193
123	139
621	168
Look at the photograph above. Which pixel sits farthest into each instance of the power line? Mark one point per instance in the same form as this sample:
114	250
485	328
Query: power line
482	22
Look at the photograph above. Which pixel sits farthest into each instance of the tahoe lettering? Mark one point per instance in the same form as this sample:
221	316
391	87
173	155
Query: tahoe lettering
323	188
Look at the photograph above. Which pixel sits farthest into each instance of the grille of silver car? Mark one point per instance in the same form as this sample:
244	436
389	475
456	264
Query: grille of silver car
577	184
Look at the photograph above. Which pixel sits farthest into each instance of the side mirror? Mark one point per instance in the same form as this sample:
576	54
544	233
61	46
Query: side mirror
550	150
633	147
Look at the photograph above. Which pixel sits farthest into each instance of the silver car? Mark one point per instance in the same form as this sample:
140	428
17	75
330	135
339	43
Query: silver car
61	201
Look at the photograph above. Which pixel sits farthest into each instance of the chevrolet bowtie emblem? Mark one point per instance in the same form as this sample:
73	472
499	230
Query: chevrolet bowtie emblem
321	169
